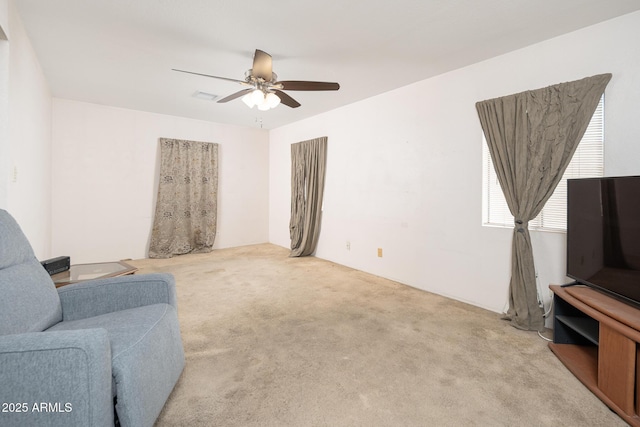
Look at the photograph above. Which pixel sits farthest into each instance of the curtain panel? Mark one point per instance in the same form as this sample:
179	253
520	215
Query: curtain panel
186	209
308	169
531	137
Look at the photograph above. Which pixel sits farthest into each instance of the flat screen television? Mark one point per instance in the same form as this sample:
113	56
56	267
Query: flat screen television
603	235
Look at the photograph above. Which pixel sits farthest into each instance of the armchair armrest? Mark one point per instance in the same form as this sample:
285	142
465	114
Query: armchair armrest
96	297
59	378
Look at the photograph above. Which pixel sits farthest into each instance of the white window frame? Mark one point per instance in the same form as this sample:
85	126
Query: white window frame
587	162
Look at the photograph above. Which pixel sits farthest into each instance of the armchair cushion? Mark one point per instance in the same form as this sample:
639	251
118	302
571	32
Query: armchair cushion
147	357
139	314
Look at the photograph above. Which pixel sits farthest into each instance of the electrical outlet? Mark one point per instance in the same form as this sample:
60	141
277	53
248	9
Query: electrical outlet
348	245
380	252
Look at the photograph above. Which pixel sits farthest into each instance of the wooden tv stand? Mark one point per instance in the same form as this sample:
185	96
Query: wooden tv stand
596	337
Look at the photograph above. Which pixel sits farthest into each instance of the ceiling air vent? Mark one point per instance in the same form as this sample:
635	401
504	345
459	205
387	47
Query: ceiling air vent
204	95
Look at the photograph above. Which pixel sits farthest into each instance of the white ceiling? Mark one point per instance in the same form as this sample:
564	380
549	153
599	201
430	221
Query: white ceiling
121	52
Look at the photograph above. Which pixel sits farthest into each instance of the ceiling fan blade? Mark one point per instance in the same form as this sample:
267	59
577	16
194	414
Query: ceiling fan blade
302	85
262	65
286	99
235	95
208	75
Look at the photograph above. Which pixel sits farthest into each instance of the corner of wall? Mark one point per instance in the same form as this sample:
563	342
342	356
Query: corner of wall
27	147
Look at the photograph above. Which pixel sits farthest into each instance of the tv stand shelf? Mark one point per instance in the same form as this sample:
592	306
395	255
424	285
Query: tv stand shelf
596	337
583	326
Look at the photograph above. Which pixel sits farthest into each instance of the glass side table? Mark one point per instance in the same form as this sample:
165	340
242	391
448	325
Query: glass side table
100	270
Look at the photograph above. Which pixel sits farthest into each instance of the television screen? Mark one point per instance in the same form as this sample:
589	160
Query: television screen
603	234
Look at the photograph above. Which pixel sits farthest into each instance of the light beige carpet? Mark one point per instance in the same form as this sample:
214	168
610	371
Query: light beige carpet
278	341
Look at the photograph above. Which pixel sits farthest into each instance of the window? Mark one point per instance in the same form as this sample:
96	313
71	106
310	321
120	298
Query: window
587	162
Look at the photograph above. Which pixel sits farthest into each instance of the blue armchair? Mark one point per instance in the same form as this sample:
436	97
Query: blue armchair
69	356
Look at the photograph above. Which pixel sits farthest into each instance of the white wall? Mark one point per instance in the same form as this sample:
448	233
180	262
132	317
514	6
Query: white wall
105	167
4	103
4	17
26	169
404	168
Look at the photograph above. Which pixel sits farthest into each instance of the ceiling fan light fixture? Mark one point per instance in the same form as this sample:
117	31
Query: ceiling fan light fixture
272	100
257	96
264	101
248	100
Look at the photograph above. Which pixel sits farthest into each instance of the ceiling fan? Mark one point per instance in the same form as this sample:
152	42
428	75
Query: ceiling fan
263	88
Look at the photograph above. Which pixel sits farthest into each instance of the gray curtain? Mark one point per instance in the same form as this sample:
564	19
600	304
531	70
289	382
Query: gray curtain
308	164
186	210
532	136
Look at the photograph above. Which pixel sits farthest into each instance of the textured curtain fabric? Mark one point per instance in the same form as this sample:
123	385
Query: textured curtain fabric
186	210
308	164
532	136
